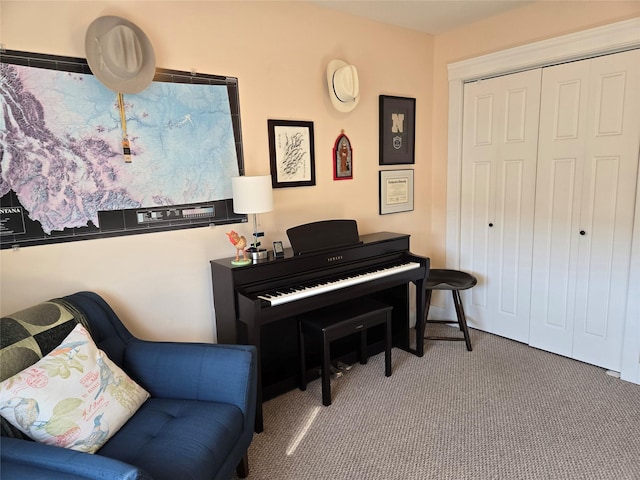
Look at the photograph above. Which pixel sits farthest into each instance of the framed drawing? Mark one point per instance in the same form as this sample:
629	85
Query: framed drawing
397	130
291	150
342	158
396	191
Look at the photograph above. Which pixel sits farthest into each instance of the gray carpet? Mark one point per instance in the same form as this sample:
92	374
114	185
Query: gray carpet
503	411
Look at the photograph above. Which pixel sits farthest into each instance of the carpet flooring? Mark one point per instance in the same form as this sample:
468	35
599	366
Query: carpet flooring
504	411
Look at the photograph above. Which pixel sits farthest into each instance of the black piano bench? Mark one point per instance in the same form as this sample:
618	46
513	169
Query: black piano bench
454	280
339	321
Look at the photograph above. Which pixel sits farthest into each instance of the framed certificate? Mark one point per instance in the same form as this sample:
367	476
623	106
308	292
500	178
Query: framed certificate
396	191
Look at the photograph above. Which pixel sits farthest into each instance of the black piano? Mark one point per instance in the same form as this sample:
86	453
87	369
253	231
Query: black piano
260	303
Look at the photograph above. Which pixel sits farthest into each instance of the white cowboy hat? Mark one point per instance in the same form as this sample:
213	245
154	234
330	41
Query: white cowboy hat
119	54
344	88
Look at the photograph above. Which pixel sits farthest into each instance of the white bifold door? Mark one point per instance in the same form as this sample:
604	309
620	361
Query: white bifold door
549	173
498	191
584	211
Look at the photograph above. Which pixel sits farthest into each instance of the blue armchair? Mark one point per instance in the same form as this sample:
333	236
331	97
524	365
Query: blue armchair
197	424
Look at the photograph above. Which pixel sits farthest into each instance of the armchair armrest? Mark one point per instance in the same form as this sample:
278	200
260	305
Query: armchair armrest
195	371
32	460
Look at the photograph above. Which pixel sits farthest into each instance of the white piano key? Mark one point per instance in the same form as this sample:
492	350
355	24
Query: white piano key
286	297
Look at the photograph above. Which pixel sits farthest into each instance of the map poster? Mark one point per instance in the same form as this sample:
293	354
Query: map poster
64	174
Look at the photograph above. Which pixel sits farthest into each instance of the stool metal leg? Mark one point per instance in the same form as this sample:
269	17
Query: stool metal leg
462	320
326	372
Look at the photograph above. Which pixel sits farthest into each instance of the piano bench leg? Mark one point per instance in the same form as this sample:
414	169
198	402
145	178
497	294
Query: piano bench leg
387	346
303	362
326	372
364	356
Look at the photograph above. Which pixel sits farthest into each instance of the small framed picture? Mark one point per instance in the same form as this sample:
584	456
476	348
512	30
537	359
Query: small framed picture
397	130
291	150
396	191
342	158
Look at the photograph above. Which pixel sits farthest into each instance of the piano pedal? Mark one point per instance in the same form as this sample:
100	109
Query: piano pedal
335	373
343	367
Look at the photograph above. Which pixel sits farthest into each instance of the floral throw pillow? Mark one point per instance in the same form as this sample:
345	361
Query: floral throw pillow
74	397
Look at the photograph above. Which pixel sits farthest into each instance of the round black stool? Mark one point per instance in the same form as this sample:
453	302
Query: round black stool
454	280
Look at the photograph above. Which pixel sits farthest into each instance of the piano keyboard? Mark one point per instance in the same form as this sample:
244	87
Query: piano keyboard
291	294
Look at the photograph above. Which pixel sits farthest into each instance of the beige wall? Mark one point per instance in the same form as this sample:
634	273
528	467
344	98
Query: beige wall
160	283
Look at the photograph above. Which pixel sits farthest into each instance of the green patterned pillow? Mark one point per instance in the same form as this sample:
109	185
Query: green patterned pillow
74	397
28	335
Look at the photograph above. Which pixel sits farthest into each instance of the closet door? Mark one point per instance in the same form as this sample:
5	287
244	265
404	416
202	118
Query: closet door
559	195
498	191
586	188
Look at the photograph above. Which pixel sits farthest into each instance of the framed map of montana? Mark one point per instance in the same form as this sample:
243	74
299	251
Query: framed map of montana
65	176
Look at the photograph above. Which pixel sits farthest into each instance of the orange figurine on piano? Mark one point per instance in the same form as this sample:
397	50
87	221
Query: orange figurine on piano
240	243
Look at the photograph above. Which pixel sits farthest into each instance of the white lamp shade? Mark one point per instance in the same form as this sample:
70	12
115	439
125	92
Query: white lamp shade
252	194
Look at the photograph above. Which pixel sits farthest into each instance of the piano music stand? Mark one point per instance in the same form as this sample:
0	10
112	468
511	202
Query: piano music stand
323	235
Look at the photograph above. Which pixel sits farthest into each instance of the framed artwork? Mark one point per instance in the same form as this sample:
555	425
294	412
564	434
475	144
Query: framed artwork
342	158
397	130
291	150
396	191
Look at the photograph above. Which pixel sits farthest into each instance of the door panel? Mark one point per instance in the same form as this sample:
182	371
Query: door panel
511	187
480	213
569	94
498	191
611	163
553	261
585	192
557	210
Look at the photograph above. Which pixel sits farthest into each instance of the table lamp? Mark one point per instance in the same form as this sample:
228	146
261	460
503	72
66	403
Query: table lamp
253	195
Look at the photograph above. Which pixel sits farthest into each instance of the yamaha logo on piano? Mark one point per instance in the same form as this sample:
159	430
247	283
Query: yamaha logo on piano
334	259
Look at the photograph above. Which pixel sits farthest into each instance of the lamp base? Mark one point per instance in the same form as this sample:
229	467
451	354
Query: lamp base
260	254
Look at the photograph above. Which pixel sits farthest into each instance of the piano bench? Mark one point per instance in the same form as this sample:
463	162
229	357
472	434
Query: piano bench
339	321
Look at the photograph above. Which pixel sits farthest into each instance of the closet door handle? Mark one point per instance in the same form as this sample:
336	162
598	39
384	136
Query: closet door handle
491	224
582	232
